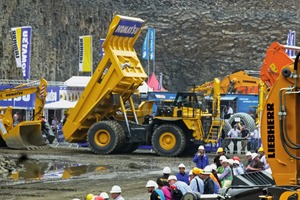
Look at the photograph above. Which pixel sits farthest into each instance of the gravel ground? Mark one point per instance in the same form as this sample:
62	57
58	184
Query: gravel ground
130	171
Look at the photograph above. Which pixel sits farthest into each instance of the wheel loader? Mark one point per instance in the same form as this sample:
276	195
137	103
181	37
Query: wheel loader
26	134
96	116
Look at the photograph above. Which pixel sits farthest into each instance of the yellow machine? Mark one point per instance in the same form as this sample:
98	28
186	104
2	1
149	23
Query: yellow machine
188	122
241	82
26	134
95	117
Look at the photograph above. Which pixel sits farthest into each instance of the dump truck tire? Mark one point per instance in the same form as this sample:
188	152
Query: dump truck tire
168	140
245	119
105	137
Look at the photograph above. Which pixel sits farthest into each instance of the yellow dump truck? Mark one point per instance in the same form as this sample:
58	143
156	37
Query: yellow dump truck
26	134
95	117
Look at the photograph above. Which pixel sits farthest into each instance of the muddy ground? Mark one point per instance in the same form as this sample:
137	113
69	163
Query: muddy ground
130	171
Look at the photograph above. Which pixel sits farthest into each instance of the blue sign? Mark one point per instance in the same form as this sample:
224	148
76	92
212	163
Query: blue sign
26	51
145	48
28	101
152	43
127	28
291	41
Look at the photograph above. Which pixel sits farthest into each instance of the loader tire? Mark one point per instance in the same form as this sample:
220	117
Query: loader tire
245	119
105	137
168	140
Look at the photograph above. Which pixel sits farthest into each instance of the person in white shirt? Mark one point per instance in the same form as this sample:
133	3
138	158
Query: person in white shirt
116	193
233	134
262	157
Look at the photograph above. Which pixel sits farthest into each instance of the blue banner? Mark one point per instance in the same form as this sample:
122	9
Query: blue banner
101	49
127	28
145	48
291	41
152	43
21	37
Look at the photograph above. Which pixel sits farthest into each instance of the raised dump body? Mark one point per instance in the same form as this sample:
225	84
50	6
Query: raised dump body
116	78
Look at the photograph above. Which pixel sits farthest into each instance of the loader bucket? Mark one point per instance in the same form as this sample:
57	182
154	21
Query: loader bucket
26	135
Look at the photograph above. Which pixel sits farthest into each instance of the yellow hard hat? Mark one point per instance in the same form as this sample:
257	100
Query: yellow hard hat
220	149
89	197
197	171
260	149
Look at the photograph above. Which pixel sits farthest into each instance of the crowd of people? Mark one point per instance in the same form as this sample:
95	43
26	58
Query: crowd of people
205	178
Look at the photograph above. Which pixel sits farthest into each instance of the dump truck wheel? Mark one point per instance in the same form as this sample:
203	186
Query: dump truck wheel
168	140
245	119
104	137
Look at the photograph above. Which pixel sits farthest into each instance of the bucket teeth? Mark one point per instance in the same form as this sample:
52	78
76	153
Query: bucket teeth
37	147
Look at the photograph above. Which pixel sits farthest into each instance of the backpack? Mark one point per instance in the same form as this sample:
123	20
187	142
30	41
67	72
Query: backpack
176	194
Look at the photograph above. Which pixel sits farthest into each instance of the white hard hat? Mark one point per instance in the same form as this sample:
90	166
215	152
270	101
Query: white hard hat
236	162
201	147
167	170
254	155
207	170
230	161
115	189
191	172
181	165
222	158
151	183
249	153
213	166
172	177
225	160
104	195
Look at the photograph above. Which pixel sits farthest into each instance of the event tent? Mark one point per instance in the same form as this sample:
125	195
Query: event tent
61	104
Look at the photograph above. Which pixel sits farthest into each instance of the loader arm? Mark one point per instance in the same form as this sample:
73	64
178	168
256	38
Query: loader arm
26	134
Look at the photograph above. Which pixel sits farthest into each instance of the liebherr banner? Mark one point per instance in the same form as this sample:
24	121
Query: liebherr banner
85	53
21	37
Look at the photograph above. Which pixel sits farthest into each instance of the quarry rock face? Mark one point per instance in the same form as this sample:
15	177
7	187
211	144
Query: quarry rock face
196	41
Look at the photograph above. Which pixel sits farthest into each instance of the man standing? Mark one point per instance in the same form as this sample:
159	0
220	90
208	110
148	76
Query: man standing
156	194
245	134
200	158
164	178
197	184
181	175
233	134
209	186
116	193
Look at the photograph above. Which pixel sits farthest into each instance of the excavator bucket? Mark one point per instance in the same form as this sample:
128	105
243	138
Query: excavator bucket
26	135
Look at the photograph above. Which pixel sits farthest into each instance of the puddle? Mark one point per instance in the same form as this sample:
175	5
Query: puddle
41	171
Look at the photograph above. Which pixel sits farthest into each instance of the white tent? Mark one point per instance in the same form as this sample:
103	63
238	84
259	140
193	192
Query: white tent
145	88
61	104
78	81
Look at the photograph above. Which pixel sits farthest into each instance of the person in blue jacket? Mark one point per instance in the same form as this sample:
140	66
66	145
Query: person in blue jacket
182	175
200	158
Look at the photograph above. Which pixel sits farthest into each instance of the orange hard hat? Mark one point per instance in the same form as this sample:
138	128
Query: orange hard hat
236	158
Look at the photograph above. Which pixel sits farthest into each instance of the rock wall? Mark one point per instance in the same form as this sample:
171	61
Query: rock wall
195	40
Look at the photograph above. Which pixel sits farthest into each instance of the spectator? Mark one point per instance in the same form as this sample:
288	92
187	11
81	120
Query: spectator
245	134
164	178
237	169
104	195
256	165
197	184
156	194
214	175
165	189
180	185
220	152
116	193
248	158
226	176
228	112
240	163
263	159
255	138
191	176
181	175
209	186
233	134
220	169
200	158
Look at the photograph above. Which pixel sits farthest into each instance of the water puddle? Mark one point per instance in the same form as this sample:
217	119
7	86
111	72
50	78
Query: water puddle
41	171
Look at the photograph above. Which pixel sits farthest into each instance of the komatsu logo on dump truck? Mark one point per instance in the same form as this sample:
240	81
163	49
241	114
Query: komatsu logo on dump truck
127	28
14	38
25	49
270	130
